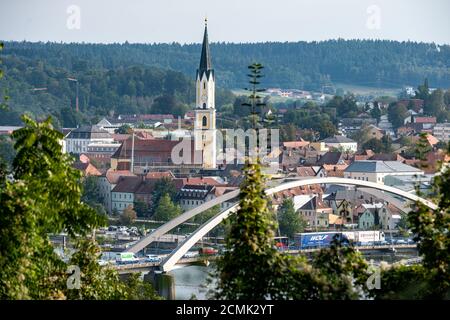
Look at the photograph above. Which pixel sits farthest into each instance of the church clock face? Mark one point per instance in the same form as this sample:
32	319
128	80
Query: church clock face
204	97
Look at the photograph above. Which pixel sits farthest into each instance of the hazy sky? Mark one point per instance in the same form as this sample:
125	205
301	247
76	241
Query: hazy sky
148	21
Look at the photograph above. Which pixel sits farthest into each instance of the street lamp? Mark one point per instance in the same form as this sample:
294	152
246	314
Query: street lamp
76	101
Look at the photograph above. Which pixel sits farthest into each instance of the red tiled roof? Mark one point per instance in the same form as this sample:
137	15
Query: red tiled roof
305	172
113	176
87	168
160	175
295	144
424	119
120	136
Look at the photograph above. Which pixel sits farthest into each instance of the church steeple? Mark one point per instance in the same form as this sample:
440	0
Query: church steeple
205	112
205	58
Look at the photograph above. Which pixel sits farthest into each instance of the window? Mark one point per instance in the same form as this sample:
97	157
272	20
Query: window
204	85
204	121
204	105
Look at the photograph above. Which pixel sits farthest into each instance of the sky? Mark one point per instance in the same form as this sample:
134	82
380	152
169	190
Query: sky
156	21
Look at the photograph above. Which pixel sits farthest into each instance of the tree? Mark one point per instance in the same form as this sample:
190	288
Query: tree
288	132
102	282
124	129
141	208
376	112
290	222
137	289
423	91
164	104
422	148
128	216
397	114
373	144
7	152
163	186
91	191
43	199
431	279
166	209
208	214
345	106
4	98
96	282
435	105
251	266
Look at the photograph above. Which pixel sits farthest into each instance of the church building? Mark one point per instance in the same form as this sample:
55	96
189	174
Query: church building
144	155
205	108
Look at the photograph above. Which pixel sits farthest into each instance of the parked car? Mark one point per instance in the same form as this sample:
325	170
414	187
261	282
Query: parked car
208	250
152	258
190	254
401	241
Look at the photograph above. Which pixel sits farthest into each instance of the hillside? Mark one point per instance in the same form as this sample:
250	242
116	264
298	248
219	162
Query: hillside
127	78
307	65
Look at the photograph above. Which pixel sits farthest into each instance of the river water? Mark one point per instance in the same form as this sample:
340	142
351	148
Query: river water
191	280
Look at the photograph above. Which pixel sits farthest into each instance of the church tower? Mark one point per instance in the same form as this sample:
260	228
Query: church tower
205	109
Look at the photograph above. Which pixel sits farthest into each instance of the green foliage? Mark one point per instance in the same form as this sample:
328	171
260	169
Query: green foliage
290	222
163	186
397	114
123	129
306	65
43	199
7	152
431	280
345	106
3	99
423	90
166	209
375	113
128	216
251	267
288	132
104	90
142	209
96	282
313	118
383	145
206	215
435	105
91	193
168	104
137	289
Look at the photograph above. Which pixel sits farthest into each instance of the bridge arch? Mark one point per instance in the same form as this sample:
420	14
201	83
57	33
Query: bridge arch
169	262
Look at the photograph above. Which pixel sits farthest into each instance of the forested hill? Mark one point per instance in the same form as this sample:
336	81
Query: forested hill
307	65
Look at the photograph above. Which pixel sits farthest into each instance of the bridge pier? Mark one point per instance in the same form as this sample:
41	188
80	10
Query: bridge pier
163	283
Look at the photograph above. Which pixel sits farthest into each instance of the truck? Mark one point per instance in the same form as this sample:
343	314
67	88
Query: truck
312	240
126	258
369	237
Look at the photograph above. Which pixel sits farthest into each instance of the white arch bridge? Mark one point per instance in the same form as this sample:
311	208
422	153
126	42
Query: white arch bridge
169	262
